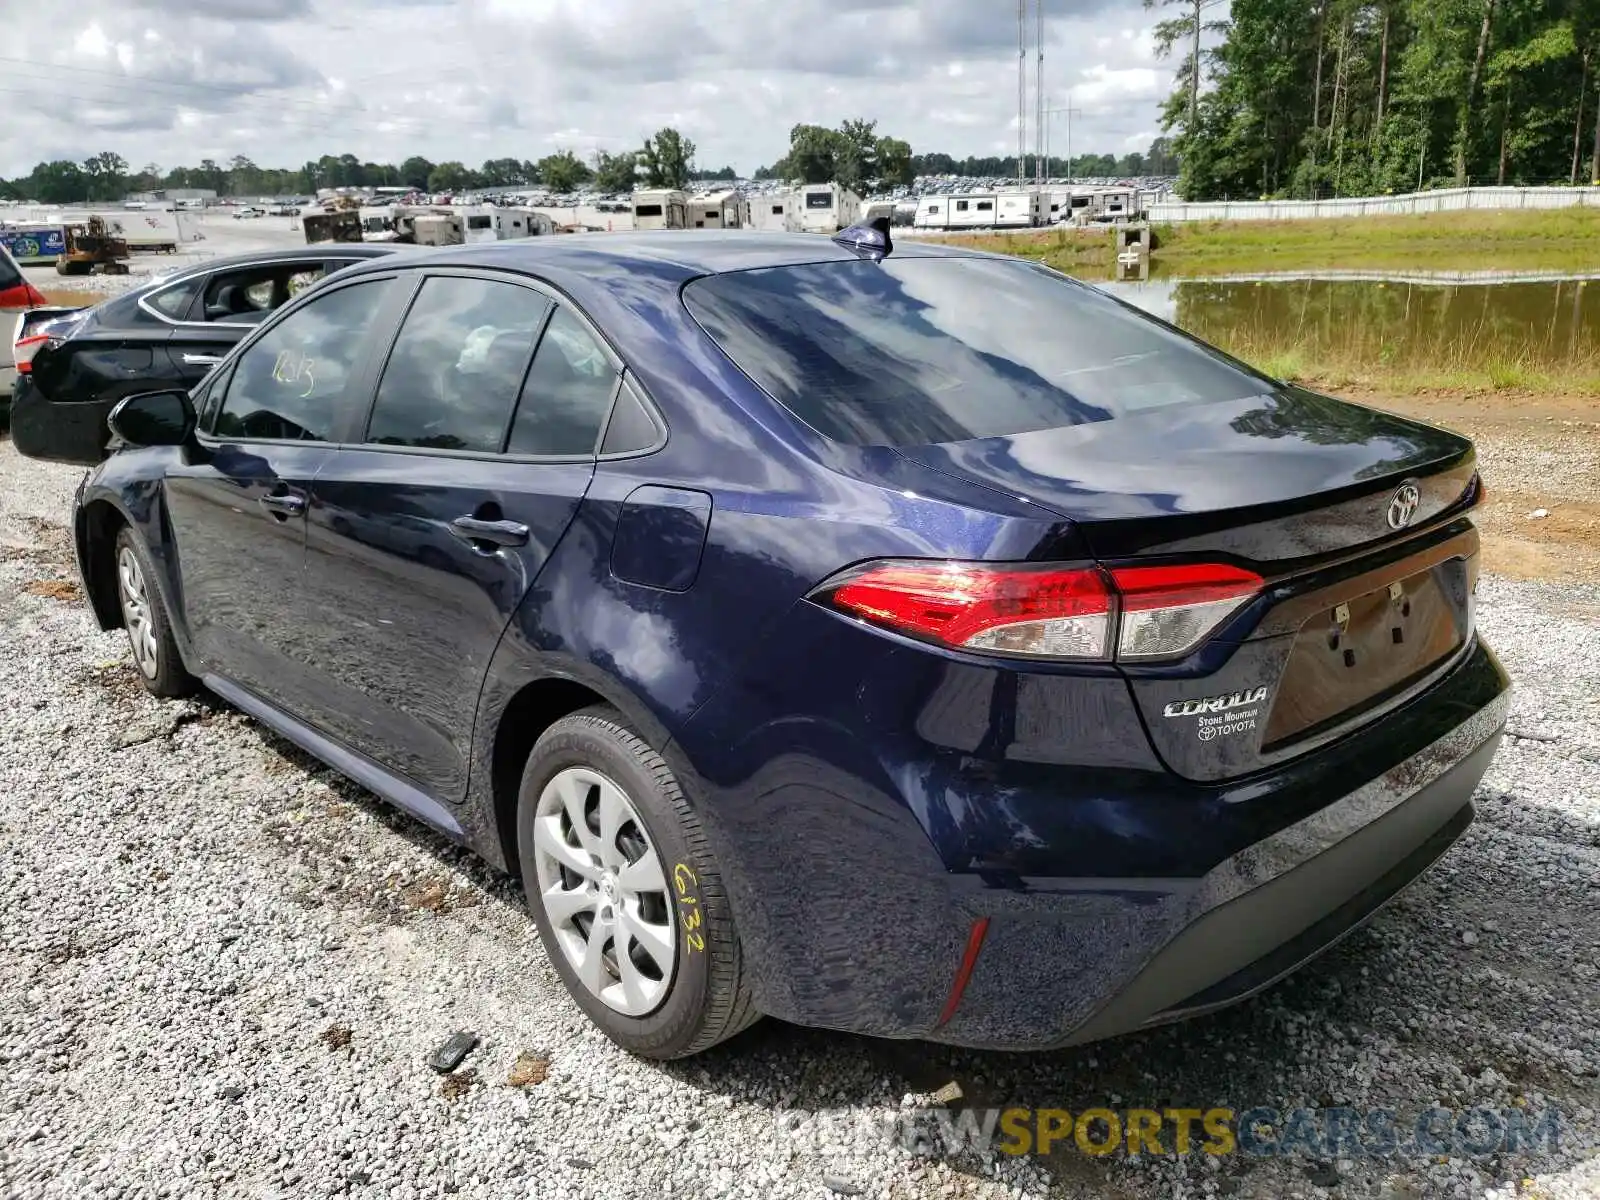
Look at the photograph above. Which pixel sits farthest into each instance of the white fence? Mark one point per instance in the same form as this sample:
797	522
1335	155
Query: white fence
1444	200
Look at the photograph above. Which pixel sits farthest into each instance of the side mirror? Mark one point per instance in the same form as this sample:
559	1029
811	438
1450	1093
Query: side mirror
154	419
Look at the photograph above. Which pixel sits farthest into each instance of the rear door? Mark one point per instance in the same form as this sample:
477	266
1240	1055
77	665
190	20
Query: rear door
424	538
237	509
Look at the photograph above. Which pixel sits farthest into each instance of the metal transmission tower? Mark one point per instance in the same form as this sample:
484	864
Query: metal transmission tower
1040	170
1071	112
1022	89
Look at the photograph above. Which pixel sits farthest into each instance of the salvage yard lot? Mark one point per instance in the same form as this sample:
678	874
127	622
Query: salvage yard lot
222	966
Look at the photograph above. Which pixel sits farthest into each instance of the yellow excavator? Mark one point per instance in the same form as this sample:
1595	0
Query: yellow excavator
90	248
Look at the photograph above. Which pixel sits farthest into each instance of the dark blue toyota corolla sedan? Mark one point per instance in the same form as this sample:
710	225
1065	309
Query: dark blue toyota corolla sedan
921	644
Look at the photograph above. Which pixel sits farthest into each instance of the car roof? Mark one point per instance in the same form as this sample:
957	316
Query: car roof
317	250
572	260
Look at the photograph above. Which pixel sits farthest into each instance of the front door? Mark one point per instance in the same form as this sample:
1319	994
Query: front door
424	539
238	507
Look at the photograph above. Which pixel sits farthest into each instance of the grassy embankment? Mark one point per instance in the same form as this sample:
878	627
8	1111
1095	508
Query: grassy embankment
1366	352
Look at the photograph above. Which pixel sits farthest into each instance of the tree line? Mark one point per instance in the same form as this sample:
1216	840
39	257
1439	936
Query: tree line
665	160
857	157
854	154
1314	98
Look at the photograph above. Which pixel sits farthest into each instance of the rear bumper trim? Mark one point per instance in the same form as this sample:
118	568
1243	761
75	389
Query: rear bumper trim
1250	942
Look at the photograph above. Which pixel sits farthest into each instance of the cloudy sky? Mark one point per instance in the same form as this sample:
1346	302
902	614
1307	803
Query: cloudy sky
283	81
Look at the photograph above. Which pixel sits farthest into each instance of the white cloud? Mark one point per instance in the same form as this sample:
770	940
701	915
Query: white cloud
283	81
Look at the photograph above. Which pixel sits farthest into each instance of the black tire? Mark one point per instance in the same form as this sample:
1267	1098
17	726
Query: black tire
709	998
169	679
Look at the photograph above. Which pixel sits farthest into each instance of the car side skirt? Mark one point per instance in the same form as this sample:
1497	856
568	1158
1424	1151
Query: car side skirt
389	786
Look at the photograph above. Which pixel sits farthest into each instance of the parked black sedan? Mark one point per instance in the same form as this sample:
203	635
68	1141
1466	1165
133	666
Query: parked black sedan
74	365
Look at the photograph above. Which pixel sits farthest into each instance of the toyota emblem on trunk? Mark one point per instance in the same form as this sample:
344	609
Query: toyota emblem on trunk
1403	505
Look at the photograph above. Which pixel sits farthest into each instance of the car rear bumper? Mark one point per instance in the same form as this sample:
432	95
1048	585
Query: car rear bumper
74	432
8	383
1248	943
853	920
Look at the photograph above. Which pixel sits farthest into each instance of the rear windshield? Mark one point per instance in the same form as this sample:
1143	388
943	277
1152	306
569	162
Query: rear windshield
914	351
10	277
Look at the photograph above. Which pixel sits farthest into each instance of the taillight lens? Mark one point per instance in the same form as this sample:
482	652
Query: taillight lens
1167	611
1009	610
21	295
23	350
1073	613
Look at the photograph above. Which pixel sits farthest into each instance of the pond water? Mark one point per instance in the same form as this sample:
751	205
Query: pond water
1467	323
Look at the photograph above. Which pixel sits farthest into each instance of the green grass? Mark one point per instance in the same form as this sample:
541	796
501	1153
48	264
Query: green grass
1448	366
1561	239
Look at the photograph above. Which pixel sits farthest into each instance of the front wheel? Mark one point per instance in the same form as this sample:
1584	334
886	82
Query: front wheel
625	892
144	616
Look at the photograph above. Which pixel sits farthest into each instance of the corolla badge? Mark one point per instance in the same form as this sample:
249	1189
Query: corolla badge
1214	704
1403	505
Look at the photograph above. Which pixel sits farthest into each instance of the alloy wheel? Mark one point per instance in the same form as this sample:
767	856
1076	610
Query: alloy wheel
136	614
604	891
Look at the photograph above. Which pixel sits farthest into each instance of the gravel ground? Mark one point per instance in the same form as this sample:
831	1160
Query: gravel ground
222	967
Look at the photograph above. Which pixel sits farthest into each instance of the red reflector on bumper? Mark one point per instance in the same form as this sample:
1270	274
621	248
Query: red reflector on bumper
980	929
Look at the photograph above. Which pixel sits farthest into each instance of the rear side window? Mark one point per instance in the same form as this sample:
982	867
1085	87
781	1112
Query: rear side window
290	385
453	376
173	302
916	351
568	393
245	296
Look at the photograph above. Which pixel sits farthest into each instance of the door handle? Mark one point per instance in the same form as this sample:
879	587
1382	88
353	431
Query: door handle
498	533
201	360
284	504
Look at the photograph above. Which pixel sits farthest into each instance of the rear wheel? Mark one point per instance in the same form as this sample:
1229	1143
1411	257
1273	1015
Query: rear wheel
625	892
155	653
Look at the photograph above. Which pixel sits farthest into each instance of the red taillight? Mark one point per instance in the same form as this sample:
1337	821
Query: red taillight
23	295
1010	610
1079	613
23	350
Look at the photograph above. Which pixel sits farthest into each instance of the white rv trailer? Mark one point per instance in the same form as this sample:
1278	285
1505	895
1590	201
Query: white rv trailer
1119	203
1018	210
828	208
871	210
973	211
439	229
715	210
931	212
776	212
521	222
477	221
660	209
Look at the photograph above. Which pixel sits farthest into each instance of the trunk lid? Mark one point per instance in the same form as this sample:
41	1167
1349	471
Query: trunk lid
1359	612
1270	479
